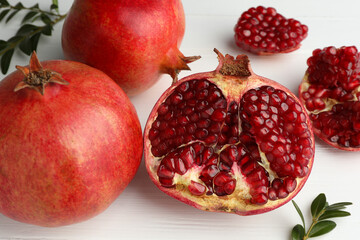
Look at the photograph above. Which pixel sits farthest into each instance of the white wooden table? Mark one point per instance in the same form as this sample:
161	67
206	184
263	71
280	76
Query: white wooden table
144	212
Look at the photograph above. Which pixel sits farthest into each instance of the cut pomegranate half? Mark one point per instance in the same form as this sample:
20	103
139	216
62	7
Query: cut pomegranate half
229	141
263	31
330	92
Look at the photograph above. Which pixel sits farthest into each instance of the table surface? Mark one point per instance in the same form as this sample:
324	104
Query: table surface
144	212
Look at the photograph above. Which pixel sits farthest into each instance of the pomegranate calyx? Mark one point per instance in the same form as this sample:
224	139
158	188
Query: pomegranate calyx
36	77
229	66
175	61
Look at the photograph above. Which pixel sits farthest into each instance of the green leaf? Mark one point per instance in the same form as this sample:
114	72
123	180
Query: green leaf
3	44
4	13
55	5
333	213
34	40
47	30
339	205
298	232
322	228
26	29
29	16
18	6
25	46
299	212
46	19
5	60
4	3
15	39
36	6
318	205
11	15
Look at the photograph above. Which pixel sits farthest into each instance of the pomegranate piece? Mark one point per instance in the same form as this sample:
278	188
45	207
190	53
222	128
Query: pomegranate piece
263	31
229	140
331	94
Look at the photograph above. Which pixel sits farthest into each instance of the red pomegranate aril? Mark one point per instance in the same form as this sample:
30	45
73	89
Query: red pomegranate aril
329	92
164	172
272	194
250	146
196	188
282	193
290	184
180	167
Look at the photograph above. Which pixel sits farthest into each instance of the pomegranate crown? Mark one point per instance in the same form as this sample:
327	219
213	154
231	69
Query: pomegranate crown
36	77
230	66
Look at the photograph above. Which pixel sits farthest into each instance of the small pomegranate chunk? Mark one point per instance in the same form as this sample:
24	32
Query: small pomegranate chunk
331	94
263	31
229	140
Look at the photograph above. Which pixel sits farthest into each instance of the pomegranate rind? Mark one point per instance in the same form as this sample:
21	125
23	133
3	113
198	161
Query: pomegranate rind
228	203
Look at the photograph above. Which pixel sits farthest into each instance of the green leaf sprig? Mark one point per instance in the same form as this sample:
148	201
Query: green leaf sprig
28	35
321	211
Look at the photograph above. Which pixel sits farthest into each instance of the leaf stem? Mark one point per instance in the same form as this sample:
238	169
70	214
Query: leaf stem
314	221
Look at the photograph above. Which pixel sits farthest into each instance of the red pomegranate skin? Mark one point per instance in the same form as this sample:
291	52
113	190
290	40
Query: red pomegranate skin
131	41
65	156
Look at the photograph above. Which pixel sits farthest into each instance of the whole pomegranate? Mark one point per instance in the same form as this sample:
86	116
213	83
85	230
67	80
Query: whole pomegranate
70	142
264	31
330	92
229	141
131	41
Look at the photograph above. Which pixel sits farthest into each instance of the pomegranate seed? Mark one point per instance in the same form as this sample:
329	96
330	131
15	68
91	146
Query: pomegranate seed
180	167
259	199
196	188
282	193
164	172
229	187
290	184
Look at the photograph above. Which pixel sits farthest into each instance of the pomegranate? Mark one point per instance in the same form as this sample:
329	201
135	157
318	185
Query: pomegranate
70	142
131	41
330	92
229	141
263	31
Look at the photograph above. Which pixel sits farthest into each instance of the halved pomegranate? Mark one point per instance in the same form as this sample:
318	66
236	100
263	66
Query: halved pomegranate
229	141
330	92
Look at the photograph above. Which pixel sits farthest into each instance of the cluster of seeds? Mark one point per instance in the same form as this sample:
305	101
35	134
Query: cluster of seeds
194	111
341	124
262	30
272	116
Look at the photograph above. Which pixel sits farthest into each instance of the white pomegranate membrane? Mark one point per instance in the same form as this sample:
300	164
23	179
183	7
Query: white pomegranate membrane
229	141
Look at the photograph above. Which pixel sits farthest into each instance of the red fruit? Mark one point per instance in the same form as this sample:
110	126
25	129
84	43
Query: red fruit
254	153
263	31
66	155
331	94
131	41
